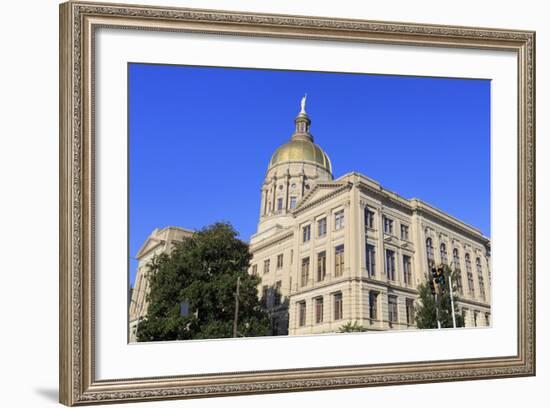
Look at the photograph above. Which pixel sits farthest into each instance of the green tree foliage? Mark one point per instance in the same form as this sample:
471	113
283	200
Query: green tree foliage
202	271
352	328
426	306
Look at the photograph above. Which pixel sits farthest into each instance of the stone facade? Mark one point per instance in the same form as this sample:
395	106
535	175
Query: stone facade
160	241
331	251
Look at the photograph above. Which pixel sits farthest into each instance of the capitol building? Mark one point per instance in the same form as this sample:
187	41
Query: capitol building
347	250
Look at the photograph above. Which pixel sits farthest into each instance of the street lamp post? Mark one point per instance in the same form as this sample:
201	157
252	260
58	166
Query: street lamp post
236	318
452	296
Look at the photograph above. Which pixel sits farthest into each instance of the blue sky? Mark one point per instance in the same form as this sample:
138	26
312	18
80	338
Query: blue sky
201	139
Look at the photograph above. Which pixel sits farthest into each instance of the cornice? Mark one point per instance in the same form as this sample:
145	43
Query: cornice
357	279
472	302
451	222
387	195
278	237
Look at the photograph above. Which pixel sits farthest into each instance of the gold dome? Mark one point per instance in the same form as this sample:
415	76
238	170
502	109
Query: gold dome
301	150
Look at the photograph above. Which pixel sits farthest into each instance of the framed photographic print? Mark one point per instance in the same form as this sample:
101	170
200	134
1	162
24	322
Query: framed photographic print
256	203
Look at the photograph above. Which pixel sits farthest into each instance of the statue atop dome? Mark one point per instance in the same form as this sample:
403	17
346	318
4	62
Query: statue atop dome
303	104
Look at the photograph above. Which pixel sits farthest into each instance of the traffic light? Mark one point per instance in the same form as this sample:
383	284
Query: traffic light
433	280
441	278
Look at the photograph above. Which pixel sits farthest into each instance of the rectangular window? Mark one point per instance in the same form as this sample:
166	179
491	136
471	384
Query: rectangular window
321	265
404	232
392	308
255	270
319	310
339	260
306	233
487	319
279	204
266	266
339	220
322	227
371	260
388	225
302	313
369	218
476	318
305	272
407	270
390	264
409	306
373	305
338	306
279	261
292	202
277	293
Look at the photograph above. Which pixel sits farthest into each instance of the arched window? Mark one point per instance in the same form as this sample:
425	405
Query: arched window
456	259
456	263
480	281
443	253
430	252
469	274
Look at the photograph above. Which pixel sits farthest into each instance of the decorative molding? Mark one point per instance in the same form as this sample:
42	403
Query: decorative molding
302	22
347	381
451	223
385	197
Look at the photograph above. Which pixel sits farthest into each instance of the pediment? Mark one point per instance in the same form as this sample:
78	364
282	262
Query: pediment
149	245
390	239
320	192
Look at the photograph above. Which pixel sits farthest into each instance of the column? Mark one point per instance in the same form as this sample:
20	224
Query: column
362	239
354	230
349	214
419	270
380	255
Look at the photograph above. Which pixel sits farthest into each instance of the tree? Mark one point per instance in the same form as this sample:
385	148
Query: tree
201	273
352	328
426	306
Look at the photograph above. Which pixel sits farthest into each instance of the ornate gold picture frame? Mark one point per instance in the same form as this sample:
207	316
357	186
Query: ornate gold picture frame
79	22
